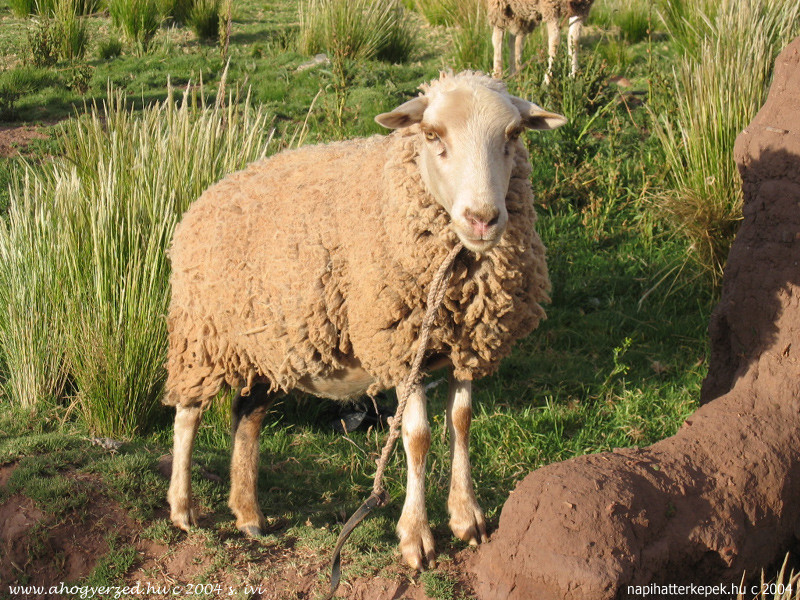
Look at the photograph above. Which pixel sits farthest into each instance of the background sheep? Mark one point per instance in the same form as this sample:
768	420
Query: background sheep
310	270
520	17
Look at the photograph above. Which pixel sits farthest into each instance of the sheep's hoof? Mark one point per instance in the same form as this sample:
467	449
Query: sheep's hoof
251	531
470	526
417	548
184	519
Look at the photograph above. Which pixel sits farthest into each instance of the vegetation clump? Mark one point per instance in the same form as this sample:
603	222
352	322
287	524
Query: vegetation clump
727	50
204	19
85	241
356	29
138	20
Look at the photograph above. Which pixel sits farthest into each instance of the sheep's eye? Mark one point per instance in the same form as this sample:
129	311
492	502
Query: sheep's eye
431	136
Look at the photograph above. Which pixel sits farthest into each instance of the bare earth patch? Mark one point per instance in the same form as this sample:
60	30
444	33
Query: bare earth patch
14	140
45	551
5	473
39	549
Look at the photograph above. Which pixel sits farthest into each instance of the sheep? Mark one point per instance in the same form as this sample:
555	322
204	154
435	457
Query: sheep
309	270
520	17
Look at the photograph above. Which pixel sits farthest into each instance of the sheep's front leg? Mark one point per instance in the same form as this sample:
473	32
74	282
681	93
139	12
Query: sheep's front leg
574	36
246	419
182	512
416	539
497	45
466	517
553	40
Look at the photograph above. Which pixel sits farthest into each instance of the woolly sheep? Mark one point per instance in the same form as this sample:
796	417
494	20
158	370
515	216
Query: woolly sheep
520	17
309	270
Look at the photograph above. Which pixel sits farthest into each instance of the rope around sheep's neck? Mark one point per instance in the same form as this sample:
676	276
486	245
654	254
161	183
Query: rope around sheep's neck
379	496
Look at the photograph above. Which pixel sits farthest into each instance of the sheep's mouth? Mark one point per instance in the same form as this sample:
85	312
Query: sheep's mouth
482	244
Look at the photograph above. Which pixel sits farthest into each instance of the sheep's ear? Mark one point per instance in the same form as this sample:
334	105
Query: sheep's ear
535	117
405	114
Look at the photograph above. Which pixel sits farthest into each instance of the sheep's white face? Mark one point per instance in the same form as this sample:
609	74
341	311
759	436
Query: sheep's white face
468	153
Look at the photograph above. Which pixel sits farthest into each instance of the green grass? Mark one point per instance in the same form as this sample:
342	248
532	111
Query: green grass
138	20
631	20
439	586
69	30
356	30
436	12
472	45
204	18
101	286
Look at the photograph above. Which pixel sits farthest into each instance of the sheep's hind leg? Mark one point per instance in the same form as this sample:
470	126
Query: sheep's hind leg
553	40
182	512
466	516
246	419
519	47
416	539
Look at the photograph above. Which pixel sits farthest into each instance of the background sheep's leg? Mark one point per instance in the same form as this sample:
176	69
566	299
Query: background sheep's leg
416	539
187	420
574	36
513	61
246	419
519	46
466	516
553	39
497	44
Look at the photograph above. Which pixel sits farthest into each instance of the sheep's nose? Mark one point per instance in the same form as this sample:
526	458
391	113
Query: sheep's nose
482	220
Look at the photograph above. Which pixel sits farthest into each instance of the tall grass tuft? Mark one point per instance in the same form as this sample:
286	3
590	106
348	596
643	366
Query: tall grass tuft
22	8
109	48
204	19
356	29
438	12
177	10
632	18
69	30
124	182
785	585
31	335
634	23
711	106
138	20
472	36
688	21
47	8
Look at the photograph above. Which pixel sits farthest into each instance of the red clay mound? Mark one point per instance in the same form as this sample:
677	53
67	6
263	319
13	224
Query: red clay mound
722	496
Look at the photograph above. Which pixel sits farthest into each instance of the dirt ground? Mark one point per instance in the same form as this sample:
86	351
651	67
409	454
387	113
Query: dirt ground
39	550
14	139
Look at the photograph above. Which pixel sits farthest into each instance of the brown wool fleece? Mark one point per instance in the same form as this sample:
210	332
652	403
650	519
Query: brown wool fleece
522	16
321	258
